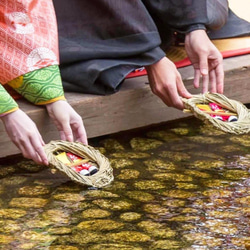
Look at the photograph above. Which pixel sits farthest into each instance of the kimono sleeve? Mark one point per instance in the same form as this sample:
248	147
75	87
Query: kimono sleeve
7	103
41	86
187	15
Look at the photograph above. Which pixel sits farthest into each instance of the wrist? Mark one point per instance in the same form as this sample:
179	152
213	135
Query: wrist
195	35
156	64
50	105
55	101
195	27
8	114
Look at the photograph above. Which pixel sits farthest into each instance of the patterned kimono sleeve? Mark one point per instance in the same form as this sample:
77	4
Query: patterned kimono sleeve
41	86
7	103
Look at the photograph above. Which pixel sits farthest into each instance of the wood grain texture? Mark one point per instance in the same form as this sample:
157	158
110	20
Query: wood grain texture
134	106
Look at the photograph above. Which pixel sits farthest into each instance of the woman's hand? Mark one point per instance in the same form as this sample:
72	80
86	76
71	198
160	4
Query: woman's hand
165	81
68	122
207	61
25	135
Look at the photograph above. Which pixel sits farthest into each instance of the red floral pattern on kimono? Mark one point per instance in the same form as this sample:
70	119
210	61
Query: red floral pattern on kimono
28	37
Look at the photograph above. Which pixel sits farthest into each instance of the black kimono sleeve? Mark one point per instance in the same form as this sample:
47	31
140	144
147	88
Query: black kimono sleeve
101	41
188	15
183	16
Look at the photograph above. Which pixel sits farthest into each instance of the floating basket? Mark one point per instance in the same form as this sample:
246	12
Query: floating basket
100	179
241	126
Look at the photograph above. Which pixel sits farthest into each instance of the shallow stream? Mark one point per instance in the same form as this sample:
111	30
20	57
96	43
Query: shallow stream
181	185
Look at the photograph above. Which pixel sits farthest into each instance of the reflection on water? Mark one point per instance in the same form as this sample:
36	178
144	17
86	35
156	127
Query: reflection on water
177	186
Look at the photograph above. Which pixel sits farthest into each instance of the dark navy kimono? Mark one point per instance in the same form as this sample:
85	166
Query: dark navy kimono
101	41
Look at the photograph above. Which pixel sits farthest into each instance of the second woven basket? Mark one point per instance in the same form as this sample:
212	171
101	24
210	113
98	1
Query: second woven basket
241	126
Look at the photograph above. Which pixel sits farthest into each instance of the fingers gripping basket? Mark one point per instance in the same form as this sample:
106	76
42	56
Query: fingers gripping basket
100	179
241	126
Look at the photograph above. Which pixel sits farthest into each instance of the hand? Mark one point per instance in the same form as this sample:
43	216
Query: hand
207	61
67	121
165	81
25	135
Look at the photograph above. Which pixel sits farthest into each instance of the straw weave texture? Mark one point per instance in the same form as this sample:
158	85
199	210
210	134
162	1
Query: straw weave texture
100	179
242	126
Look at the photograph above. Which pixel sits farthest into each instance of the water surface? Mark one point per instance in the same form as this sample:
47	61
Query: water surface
180	185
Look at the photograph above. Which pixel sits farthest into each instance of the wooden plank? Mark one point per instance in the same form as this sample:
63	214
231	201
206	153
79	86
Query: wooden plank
133	106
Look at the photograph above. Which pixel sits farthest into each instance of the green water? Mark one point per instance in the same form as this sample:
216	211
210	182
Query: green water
177	186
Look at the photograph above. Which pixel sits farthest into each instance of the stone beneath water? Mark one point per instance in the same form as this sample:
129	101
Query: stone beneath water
13	180
243	140
63	247
6	239
130	216
149	185
164	136
236	174
90	194
24	202
114	205
128	174
181	187
131	155
159	165
12	213
33	190
57	216
175	156
180	194
144	144
206	140
166	244
60	230
140	196
4	171
100	225
10	227
69	197
208	164
112	145
172	177
158	230
95	213
128	236
121	163
158	209
181	131
114	247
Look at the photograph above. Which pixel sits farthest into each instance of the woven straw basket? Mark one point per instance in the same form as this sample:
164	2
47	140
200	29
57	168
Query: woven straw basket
241	126
100	179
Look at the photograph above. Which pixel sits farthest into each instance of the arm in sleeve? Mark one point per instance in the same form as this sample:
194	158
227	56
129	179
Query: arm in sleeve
41	86
185	16
7	103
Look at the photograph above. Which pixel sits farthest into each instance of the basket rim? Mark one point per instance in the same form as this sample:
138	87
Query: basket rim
241	126
102	178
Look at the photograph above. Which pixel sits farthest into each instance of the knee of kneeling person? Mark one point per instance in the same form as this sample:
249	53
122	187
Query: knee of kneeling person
217	11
